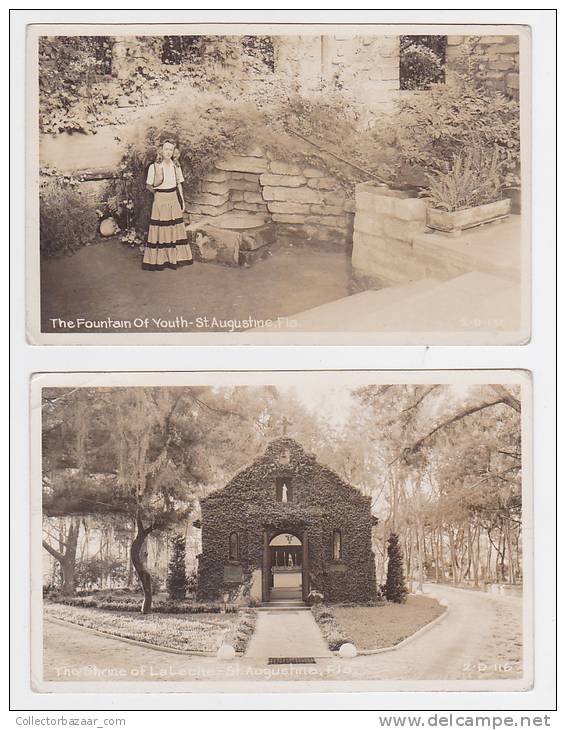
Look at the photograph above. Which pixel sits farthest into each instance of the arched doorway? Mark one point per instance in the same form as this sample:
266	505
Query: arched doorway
284	567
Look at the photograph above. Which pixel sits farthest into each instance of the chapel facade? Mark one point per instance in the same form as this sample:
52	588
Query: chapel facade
286	526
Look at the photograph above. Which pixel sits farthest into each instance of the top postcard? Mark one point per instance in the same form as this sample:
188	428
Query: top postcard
273	184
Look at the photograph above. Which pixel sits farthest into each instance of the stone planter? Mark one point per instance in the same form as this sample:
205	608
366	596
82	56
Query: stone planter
460	220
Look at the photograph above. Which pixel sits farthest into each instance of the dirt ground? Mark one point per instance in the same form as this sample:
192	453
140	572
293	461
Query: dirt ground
106	281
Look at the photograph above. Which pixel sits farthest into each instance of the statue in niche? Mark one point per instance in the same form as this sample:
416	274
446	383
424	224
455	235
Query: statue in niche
284	493
290	561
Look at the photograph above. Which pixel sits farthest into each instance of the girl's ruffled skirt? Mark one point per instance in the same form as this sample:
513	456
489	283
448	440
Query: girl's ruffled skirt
167	246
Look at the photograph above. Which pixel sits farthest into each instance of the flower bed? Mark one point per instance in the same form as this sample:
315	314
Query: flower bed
132	603
204	633
375	627
333	633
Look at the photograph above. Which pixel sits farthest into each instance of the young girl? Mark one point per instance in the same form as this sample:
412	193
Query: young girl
167	245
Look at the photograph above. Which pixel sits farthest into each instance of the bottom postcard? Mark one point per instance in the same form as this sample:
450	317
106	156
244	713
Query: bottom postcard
282	531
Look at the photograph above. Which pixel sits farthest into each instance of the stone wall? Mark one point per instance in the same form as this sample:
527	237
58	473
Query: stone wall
304	202
384	226
499	58
365	66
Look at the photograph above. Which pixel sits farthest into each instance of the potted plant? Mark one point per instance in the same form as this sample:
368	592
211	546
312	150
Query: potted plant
468	194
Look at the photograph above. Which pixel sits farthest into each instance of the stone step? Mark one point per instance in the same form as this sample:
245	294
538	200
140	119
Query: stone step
472	301
347	313
282	606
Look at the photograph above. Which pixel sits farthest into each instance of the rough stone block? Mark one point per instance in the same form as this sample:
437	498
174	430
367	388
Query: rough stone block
289	181
244	185
504	64
286	208
492	39
334	198
253	197
255	207
512	48
251	176
512	81
217	188
454	40
279	218
284	168
410	209
327	220
236	195
293	195
372	198
494	75
402	230
312	172
211	199
322	183
238	163
369	222
217	176
326	209
378	244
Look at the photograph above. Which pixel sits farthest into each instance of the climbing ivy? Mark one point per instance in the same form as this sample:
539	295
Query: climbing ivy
322	503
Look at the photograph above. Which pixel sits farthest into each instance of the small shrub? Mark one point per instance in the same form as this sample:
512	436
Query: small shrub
428	130
474	178
177	576
67	217
395	586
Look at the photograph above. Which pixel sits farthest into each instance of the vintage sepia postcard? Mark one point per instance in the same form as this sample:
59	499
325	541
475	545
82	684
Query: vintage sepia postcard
275	532
274	184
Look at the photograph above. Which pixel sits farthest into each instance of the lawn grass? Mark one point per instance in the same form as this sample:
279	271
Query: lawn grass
375	627
203	632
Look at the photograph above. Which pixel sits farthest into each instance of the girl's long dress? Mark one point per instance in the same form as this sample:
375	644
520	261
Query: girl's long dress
167	246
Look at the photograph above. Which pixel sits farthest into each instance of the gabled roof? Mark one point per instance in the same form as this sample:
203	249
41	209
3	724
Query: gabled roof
278	450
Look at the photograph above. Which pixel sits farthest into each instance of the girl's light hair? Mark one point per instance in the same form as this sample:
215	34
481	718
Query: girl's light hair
176	151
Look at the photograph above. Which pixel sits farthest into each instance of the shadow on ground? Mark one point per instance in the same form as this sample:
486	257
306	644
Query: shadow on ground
106	281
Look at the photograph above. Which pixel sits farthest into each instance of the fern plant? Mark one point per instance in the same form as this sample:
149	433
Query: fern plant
475	178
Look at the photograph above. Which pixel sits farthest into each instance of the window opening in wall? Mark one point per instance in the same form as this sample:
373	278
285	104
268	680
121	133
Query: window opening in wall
422	61
260	48
179	48
234	547
337	545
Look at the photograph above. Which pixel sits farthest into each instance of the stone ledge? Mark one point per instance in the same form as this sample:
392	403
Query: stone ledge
293	195
286	208
237	163
216	188
290	181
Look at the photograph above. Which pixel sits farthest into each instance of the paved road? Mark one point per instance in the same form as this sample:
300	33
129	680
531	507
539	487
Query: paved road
480	638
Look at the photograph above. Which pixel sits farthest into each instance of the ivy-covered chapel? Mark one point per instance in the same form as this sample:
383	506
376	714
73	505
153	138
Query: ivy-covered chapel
284	527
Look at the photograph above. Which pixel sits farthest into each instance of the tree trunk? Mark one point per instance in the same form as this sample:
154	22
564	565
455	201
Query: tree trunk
138	554
67	560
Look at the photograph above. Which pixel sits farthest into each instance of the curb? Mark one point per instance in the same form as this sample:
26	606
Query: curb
135	642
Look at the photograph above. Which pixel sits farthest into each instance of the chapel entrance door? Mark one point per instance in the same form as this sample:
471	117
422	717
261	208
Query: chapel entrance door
286	565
